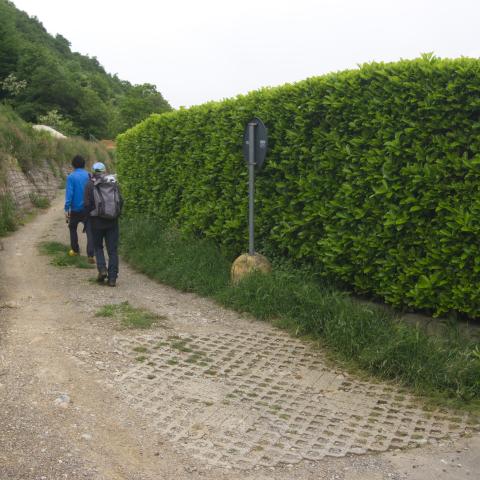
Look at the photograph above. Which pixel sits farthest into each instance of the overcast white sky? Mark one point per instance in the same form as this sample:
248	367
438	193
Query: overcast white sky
200	50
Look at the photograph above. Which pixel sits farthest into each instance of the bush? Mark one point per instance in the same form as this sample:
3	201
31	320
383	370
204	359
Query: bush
372	177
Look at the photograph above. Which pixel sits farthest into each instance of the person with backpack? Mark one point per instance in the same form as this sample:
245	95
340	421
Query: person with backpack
103	203
75	208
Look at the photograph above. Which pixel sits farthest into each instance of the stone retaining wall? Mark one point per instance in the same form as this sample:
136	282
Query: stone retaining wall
42	181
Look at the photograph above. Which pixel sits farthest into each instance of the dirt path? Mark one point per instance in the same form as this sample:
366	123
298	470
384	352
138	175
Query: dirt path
216	396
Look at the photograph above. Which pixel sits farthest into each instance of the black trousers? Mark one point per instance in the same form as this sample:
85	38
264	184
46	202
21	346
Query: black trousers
111	236
75	219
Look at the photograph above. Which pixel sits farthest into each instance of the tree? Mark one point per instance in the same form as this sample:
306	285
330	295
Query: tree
57	121
138	103
62	44
8	42
74	85
12	86
92	115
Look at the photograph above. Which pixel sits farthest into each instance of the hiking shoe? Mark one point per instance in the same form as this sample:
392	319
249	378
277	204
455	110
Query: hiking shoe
91	259
112	282
73	253
102	275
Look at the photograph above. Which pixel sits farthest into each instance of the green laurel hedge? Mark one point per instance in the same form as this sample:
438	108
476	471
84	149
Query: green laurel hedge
372	176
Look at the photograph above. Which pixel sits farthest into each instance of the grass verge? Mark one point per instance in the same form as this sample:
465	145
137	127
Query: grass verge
129	316
60	258
443	367
39	202
8	216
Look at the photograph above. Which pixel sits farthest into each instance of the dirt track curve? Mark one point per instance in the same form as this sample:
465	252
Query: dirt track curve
212	395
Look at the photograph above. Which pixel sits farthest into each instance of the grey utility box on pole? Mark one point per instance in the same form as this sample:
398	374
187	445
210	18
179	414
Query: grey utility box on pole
254	151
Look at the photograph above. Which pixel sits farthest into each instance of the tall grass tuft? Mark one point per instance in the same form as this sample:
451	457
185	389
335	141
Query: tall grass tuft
39	201
129	316
172	258
367	336
8	219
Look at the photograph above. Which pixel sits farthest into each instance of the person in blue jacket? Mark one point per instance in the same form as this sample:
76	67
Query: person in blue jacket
74	208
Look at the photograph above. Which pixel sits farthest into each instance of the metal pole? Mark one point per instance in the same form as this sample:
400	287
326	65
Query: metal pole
251	186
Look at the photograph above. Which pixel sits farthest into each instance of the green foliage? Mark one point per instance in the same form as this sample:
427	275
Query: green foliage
8	219
35	148
57	121
168	256
368	336
137	104
12	86
18	139
372	178
39	73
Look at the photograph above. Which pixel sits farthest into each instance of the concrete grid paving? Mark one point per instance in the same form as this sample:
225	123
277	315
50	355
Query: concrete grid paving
262	399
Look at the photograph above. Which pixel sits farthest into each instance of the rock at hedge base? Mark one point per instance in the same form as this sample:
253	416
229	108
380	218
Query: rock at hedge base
246	264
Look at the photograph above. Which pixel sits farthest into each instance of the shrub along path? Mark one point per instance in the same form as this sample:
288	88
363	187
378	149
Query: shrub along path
201	393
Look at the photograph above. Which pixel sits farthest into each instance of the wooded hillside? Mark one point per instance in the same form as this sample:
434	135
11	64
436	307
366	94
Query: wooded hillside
44	80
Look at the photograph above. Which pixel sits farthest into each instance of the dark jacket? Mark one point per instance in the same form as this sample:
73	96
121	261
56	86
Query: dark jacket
89	202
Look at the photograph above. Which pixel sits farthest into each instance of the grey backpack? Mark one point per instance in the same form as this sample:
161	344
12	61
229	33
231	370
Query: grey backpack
106	197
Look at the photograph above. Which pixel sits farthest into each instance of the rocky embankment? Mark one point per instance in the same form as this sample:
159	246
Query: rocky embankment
24	186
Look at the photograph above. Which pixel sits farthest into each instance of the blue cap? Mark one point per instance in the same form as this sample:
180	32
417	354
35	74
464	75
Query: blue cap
98	167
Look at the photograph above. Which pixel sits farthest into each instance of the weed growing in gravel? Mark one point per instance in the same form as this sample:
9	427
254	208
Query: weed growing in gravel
200	357
60	258
140	349
53	248
129	316
181	345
